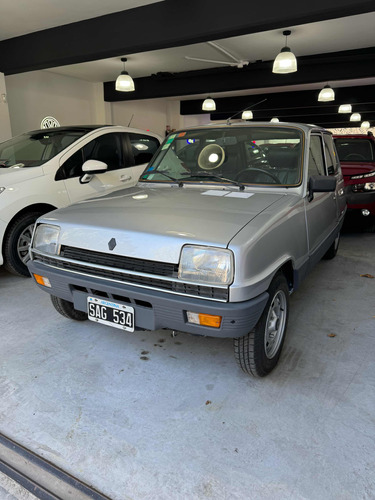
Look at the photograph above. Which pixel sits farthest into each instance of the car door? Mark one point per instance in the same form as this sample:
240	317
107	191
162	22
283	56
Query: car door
111	149
321	211
142	149
334	169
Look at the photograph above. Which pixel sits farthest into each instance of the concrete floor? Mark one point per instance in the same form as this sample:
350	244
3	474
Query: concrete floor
148	416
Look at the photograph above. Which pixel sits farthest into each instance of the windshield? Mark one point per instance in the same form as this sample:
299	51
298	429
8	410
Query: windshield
236	155
32	150
355	149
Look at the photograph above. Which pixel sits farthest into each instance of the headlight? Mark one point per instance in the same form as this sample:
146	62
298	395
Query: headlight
45	238
212	266
2	189
363	176
370	186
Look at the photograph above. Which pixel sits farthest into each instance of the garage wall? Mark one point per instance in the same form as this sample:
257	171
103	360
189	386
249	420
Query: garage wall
34	95
5	130
150	114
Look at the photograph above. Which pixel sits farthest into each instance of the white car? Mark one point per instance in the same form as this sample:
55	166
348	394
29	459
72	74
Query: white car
47	169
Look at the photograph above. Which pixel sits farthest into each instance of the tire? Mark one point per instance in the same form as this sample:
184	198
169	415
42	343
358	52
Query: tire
332	251
66	309
258	352
16	241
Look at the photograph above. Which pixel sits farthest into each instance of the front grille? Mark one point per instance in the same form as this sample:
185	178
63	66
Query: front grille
120	274
120	262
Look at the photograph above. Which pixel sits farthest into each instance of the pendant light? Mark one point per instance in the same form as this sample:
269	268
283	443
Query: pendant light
355	117
365	124
208	104
326	94
345	108
286	61
247	115
124	82
274	120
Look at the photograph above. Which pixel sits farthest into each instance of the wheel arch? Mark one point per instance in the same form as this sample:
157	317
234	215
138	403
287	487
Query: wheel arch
288	270
36	207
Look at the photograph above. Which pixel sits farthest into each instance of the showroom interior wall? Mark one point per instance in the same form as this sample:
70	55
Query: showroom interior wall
34	95
5	129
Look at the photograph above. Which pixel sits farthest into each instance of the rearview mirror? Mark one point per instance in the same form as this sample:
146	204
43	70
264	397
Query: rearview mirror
90	168
321	184
94	167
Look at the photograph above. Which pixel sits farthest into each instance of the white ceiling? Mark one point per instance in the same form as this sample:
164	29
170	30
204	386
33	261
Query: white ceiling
315	38
17	18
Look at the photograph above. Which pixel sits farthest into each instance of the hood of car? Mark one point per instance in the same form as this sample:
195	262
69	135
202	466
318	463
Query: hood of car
356	168
154	223
14	175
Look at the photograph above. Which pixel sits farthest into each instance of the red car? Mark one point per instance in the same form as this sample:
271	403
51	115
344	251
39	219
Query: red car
357	158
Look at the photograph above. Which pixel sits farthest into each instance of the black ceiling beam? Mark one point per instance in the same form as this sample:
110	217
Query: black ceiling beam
165	24
350	64
285	104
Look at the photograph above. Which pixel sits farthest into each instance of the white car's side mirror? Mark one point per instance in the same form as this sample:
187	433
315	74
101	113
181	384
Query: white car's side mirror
94	167
90	168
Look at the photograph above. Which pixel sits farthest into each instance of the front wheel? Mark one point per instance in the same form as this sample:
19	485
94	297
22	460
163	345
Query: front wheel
66	309
258	352
17	243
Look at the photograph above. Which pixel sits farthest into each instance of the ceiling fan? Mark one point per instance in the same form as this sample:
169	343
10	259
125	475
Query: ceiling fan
239	63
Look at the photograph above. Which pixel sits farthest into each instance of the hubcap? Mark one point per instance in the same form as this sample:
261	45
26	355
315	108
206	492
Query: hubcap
275	325
23	243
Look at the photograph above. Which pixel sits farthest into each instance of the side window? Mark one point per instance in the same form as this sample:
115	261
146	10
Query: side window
72	167
331	156
143	147
316	159
106	148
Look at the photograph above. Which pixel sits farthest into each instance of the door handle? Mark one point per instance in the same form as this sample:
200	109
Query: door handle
124	178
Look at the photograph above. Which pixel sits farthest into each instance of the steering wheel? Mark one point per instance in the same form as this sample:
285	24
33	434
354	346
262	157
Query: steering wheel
354	156
257	170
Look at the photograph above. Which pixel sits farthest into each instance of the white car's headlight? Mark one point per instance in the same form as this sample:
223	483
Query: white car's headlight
2	189
212	266
46	238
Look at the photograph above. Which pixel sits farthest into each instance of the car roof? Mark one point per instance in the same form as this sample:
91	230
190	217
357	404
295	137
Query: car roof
72	128
305	126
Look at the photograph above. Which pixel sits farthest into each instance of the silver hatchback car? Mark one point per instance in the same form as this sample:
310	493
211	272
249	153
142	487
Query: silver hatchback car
223	225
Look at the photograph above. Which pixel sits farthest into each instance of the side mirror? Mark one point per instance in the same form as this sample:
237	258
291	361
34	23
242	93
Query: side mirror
321	184
90	168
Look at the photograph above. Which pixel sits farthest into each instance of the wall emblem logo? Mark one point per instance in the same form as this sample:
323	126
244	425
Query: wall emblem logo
112	243
49	122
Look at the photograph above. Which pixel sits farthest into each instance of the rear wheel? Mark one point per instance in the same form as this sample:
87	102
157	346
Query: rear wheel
66	309
258	352
17	243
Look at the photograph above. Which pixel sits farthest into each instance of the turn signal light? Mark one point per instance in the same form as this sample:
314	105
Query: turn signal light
41	280
204	319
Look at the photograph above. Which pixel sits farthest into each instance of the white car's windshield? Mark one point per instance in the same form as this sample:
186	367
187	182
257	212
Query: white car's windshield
35	148
241	155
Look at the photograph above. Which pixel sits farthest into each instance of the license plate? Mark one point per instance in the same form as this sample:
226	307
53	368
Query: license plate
110	313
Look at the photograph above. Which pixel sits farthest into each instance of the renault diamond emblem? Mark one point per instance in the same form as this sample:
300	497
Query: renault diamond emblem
112	243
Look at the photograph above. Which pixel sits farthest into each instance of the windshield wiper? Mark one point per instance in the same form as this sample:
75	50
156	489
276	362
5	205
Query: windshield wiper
215	176
177	181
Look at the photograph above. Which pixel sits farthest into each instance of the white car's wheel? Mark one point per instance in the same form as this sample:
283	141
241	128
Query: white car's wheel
17	243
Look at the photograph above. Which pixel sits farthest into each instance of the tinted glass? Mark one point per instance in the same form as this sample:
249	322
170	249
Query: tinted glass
30	150
249	155
355	149
316	159
143	147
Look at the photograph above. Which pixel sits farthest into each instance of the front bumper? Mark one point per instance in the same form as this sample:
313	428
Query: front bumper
154	309
359	201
